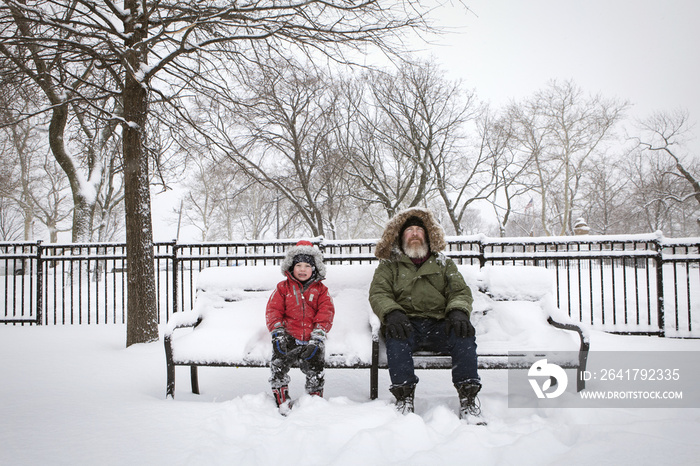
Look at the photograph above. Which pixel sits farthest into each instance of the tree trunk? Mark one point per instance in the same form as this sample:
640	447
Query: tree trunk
142	317
142	311
82	206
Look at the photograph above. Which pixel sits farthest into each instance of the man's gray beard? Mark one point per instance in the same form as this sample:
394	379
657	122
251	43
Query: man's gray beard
416	252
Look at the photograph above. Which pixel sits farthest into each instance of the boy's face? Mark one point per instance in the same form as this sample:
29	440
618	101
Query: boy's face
302	271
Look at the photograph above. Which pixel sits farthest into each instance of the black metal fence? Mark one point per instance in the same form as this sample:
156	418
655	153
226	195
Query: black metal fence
631	284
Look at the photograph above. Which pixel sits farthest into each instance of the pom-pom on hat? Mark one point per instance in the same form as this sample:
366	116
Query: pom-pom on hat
304	251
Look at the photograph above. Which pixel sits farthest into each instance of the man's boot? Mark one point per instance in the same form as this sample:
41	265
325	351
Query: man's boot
469	404
404	397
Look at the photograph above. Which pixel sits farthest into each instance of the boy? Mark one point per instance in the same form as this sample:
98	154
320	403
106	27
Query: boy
299	315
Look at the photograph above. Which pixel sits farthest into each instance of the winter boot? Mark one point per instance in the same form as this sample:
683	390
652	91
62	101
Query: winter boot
314	384
469	404
281	395
404	397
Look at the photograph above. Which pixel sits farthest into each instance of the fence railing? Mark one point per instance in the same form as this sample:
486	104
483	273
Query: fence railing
630	284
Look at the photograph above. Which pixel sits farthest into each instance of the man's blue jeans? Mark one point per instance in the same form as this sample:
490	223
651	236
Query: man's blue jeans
430	335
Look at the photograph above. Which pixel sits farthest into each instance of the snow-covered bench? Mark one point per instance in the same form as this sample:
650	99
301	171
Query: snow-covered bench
514	311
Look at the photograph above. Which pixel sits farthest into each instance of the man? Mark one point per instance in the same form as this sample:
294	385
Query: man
424	304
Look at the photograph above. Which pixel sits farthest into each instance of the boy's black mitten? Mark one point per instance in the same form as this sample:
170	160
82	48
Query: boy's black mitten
316	343
397	325
459	322
280	337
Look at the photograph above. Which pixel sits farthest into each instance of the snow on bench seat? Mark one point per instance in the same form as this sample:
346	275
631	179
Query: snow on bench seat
514	311
230	305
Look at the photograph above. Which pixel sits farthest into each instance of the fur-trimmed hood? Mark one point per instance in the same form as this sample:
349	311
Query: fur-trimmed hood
305	247
388	245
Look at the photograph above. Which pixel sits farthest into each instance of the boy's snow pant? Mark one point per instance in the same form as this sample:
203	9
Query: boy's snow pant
312	367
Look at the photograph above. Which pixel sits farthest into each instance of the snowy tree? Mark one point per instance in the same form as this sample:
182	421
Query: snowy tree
425	118
560	130
665	134
507	166
139	51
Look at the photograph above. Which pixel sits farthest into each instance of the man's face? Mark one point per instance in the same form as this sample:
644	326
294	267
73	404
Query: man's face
413	235
414	244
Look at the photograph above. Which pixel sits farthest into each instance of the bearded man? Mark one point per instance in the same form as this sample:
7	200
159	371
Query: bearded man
424	304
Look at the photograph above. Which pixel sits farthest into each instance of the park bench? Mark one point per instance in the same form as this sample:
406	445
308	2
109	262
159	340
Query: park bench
226	326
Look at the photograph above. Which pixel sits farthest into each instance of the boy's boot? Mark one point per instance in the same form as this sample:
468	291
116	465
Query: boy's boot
314	384
281	395
469	404
404	397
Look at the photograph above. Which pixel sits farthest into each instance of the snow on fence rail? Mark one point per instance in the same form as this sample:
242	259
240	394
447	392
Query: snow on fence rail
626	283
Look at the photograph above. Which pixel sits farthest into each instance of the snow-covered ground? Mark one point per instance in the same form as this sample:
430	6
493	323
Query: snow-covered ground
75	395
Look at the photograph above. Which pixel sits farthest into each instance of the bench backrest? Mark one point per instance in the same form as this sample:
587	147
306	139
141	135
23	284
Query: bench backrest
511	306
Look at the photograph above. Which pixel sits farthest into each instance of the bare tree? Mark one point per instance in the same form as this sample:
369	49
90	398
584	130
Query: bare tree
378	141
35	182
507	166
51	198
429	115
665	134
560	130
21	145
278	130
605	200
655	193
37	55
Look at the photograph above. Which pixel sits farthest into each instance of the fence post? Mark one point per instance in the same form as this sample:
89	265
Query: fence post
660	286
482	253
175	279
39	284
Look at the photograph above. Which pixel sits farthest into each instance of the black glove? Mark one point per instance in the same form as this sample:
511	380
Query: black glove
316	343
397	325
459	322
280	338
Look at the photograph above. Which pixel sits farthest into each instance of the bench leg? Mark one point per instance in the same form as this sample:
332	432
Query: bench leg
194	380
170	388
374	372
170	369
582	361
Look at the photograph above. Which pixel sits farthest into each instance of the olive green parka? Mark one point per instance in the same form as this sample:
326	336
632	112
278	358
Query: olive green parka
431	290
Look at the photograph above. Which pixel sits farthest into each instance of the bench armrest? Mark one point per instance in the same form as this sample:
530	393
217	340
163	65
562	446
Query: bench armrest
179	320
182	320
583	350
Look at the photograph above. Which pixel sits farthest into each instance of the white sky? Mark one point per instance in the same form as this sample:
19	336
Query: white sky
642	51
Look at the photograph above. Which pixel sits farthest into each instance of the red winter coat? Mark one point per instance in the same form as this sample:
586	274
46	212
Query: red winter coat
300	312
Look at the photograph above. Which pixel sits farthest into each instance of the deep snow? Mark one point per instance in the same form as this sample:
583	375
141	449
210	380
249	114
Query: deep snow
74	395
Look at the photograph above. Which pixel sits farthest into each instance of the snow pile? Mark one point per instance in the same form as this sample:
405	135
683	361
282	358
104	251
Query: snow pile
522	283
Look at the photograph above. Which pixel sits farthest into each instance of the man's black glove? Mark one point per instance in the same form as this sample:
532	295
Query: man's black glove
459	322
397	325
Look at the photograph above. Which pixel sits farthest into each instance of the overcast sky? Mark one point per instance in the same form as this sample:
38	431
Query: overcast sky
642	51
